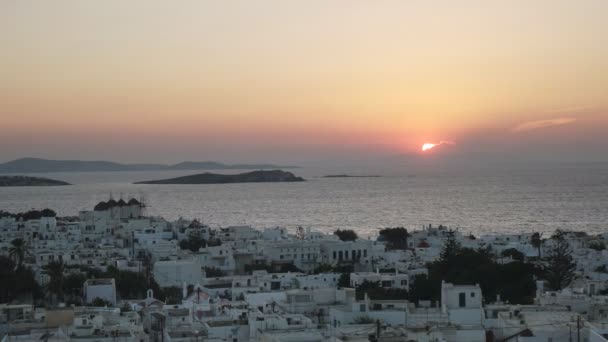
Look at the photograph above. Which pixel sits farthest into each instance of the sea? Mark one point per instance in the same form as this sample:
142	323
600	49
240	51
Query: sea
482	199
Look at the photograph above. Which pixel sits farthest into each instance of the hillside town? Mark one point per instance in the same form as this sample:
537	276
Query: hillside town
114	273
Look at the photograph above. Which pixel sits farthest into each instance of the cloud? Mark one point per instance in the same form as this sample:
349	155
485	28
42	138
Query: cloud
570	109
539	124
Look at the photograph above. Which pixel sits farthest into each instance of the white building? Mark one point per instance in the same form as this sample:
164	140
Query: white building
100	289
176	272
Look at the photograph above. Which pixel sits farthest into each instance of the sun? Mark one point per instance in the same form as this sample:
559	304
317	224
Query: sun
427	146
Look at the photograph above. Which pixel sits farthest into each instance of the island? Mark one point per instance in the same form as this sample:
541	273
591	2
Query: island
350	176
29	181
214	178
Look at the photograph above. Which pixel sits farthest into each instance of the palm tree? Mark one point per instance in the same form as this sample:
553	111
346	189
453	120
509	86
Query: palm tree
17	251
55	270
537	242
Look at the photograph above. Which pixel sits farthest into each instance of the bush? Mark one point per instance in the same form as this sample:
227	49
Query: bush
363	320
257	267
597	245
100	302
213	272
323	268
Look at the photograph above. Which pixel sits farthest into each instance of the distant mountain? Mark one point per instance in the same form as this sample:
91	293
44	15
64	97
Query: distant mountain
37	165
29	181
211	165
214	178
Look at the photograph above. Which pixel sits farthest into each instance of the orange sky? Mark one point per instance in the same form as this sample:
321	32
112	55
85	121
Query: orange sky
234	79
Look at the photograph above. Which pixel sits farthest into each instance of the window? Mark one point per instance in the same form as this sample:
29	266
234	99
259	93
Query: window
404	283
365	253
346	255
462	299
340	255
472	294
362	308
334	255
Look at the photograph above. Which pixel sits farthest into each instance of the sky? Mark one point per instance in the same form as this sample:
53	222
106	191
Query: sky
302	81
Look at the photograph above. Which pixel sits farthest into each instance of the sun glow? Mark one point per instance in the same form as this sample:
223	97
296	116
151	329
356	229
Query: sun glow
428	146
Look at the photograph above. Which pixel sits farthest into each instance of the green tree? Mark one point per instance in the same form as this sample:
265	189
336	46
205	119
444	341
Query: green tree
423	288
249	268
130	285
323	268
100	302
451	248
597	245
17	282
344	280
395	238
559	272
213	272
173	295
346	235
55	271
48	213
537	241
18	250
513	253
72	285
194	242
375	291
513	281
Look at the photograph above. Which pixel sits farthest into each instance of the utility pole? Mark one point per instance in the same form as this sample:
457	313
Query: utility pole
578	328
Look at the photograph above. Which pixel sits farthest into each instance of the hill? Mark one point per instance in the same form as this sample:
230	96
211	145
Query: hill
29	181
38	165
214	178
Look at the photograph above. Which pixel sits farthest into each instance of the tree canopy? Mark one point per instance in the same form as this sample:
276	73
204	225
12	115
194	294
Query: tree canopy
16	281
30	215
346	235
377	292
395	238
464	266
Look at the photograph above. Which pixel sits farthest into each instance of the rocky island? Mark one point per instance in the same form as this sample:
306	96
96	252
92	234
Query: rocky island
350	176
29	181
214	178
